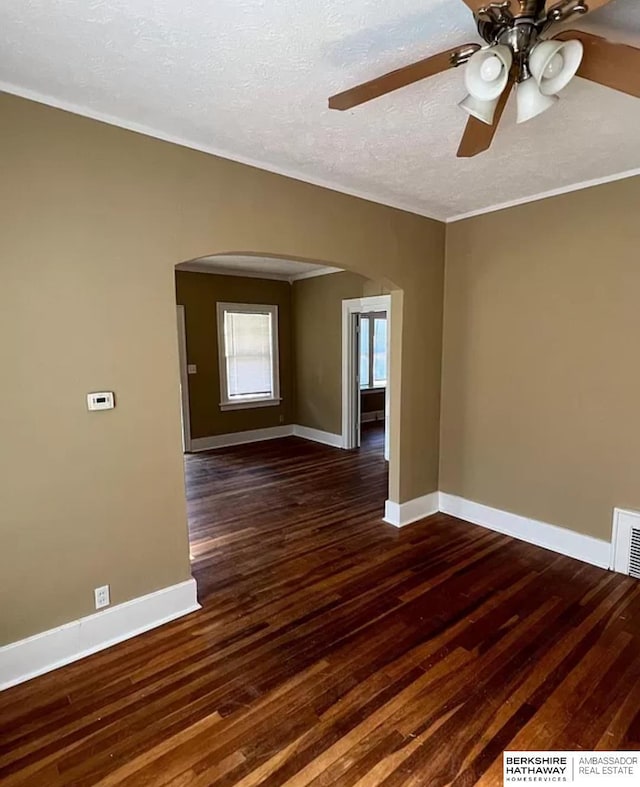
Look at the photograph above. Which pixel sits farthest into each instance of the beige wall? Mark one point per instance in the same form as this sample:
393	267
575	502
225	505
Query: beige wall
94	219
317	309
198	293
541	381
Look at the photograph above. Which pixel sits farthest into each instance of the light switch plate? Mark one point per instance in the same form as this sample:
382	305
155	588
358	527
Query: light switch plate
192	368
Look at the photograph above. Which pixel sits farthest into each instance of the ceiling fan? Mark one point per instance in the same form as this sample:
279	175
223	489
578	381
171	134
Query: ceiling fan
518	52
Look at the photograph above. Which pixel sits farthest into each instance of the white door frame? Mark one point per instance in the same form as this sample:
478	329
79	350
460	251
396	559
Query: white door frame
184	379
351	368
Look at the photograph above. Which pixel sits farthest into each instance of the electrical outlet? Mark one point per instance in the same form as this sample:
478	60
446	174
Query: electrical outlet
102	597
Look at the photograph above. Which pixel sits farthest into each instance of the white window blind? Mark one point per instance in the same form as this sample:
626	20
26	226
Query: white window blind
249	356
248	352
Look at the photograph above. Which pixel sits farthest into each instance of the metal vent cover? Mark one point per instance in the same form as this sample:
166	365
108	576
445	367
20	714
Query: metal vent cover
634	553
626	542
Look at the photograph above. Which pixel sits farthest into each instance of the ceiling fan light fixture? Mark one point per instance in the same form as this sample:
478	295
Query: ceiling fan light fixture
483	110
487	72
553	64
514	54
530	101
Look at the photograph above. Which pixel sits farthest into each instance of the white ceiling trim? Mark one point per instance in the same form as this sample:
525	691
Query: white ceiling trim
259	95
630	173
203	267
111	120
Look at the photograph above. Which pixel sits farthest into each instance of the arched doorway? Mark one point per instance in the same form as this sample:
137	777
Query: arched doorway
316	364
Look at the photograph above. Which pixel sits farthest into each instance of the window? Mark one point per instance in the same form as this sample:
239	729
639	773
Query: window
248	354
373	350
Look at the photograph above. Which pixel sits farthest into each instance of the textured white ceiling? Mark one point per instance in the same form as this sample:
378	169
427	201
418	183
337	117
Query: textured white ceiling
249	79
256	267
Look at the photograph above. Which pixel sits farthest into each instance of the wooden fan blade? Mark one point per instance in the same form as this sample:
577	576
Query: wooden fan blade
615	65
478	136
400	78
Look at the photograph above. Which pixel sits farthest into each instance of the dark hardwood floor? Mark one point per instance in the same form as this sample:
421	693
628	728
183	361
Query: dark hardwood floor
334	649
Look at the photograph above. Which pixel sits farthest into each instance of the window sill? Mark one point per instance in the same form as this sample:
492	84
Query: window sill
249	404
374	389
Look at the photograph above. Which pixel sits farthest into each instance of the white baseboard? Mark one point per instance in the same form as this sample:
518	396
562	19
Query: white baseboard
557	539
240	438
318	436
270	433
27	658
401	514
373	415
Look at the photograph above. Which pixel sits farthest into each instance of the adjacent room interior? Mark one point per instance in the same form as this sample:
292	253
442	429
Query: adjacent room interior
320	428
315	339
271	350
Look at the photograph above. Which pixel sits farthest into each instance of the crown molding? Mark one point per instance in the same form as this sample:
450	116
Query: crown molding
112	120
585	184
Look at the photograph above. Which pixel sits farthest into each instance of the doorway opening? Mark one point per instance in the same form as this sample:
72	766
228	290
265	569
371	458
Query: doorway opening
269	352
366	367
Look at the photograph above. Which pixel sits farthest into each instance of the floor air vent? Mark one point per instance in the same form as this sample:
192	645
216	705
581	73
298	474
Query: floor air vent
634	553
626	542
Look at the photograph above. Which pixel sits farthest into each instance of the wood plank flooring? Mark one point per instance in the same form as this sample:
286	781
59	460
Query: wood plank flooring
335	649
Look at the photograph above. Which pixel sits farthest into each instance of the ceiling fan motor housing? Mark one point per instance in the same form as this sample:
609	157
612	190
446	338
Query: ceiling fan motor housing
521	29
521	38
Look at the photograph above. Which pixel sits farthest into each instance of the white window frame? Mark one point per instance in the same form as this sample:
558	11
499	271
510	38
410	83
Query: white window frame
371	317
249	308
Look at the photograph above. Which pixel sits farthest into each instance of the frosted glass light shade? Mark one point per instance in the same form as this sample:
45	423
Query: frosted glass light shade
530	101
487	72
554	64
483	110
